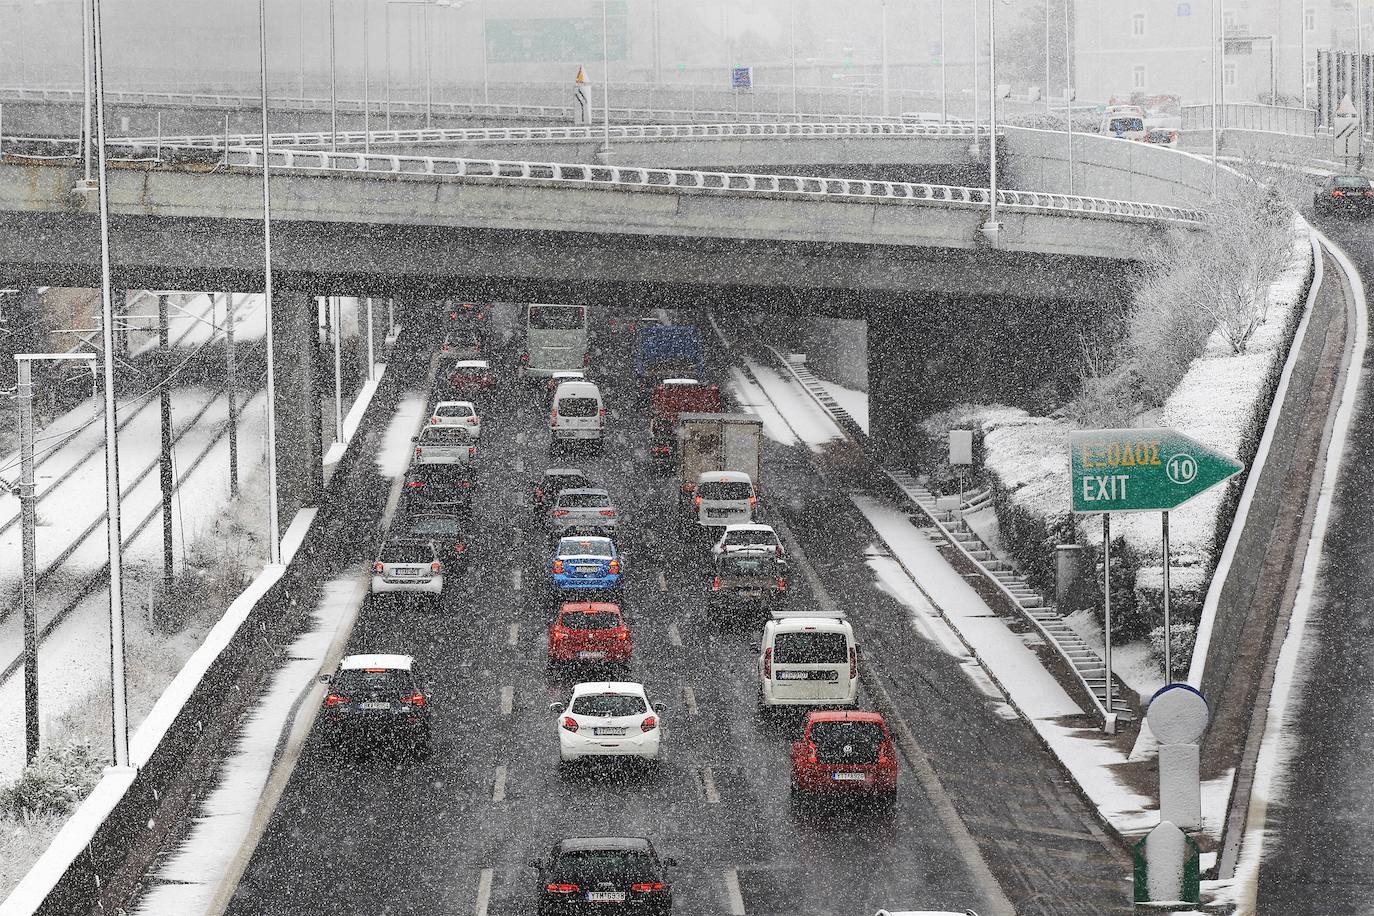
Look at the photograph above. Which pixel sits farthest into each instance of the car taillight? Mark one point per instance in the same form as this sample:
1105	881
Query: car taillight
416	699
415	484
608	513
466	485
649	724
561	888
472	421
559	513
557	634
418	451
613	567
569	723
524	358
459	547
558	566
811	752
768	662
601	412
660	449
696	501
622	635
586	360
753	501
885	752
334	699
538	492
647	886
782	586
853	663
433	421
436	567
1337	193
688	487
715	584
472	450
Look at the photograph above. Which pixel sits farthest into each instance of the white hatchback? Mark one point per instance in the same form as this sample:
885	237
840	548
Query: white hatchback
749	537
607	719
444	445
723	498
462	414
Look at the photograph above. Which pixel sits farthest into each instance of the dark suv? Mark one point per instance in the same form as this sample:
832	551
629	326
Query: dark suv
604	874
555	481
443	488
376	699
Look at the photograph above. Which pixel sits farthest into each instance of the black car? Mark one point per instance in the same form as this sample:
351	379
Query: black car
555	481
462	342
376	700
448	533
438	488
604	875
1344	194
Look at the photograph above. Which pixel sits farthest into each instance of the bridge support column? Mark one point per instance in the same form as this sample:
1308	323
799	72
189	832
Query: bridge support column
900	343
300	468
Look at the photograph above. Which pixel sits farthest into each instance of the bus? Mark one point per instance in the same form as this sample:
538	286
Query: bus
555	339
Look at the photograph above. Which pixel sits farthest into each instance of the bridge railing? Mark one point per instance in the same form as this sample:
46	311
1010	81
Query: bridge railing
1301	122
784	129
634	178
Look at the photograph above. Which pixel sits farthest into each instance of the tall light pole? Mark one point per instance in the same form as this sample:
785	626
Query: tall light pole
792	52
86	90
386	57
1048	110
119	707
1068	86
333	88
886	106
605	83
1216	113
425	23
973	65
367	101
486	83
944	83
992	227
273	513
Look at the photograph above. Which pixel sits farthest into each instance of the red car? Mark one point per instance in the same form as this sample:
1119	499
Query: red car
469	375
845	751
590	632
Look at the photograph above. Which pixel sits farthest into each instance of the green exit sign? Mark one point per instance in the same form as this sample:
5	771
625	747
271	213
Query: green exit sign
1141	470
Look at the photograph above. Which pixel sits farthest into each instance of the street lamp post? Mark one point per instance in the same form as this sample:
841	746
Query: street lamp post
992	227
367	101
1216	113
386	57
944	83
86	90
333	88
1068	86
425	23
1048	110
886	106
273	512
119	708
605	85
973	65
792	53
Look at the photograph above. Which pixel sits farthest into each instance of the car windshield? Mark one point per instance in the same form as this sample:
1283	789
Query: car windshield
455	410
559	482
750	537
609	704
725	489
1354	182
568	500
434	524
444	435
749	564
589	866
387	681
589	620
810	648
846	742
584	547
1126	124
557	317
578	407
406	553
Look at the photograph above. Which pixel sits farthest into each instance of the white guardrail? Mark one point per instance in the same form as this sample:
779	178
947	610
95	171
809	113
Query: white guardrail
420	136
627	178
379	107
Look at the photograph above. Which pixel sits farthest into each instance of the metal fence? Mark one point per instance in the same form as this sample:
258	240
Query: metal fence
1301	122
635	179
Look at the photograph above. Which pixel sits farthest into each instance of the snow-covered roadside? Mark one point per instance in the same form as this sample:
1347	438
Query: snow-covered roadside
189	880
1088	755
808	422
853	401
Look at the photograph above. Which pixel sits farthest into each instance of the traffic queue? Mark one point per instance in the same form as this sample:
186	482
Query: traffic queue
807	660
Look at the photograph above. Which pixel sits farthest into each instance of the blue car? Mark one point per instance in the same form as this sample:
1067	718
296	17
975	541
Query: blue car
585	563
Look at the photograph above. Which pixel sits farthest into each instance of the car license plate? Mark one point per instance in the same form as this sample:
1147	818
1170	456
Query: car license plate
750	593
591	655
850	777
374	705
718	513
587	569
806	676
406	571
605	896
609	732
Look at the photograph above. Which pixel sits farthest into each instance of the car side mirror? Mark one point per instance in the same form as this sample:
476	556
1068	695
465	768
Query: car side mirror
534	863
670	862
324	679
555	707
414	438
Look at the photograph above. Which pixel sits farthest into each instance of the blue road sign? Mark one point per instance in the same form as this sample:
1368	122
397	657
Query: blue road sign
742	78
1185	9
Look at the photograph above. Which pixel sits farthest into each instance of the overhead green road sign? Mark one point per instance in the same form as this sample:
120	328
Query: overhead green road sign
1141	470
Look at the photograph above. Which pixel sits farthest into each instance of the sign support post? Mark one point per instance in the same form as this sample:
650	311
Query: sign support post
1110	725
582	107
1168	631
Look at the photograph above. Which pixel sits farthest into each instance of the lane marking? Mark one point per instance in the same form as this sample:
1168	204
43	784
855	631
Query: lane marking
515	579
674	636
498	787
517	537
736	899
662	581
519	464
520	437
514	638
689	697
483	892
708	786
507	700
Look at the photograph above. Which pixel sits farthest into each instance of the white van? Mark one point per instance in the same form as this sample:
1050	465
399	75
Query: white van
556	339
723	498
444	445
1124	121
577	413
808	659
